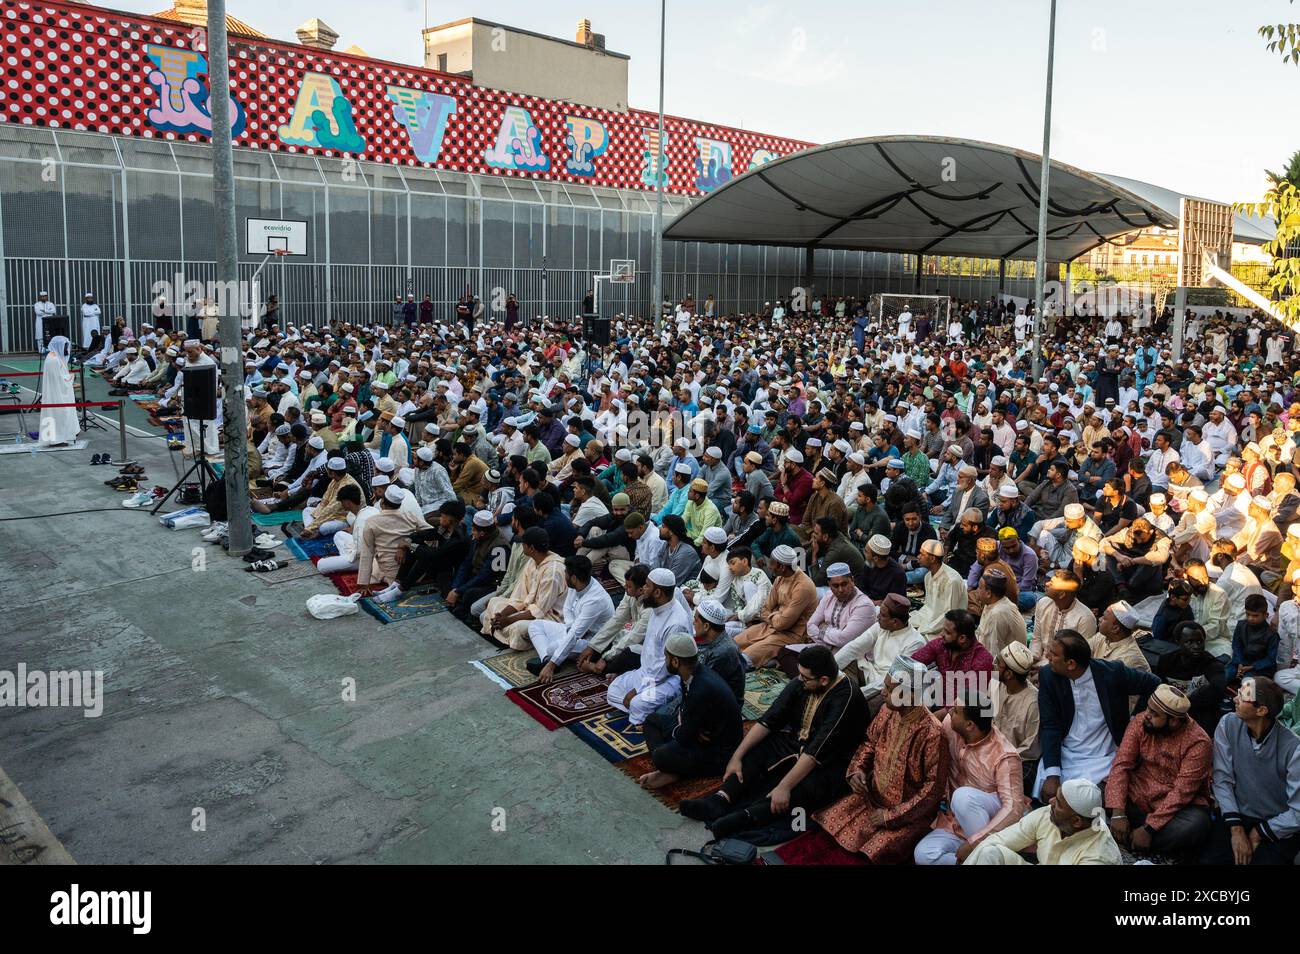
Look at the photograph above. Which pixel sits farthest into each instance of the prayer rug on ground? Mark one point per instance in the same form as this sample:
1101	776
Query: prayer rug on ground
507	669
564	701
306	549
670	795
815	847
345	583
611	736
415	604
277	518
762	686
296	570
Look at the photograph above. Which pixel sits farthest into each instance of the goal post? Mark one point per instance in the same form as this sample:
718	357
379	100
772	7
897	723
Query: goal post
937	307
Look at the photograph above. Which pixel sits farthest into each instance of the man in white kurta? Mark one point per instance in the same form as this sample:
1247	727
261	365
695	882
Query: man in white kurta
209	435
1070	830
59	425
587	608
42	311
945	590
91	316
876	649
642	691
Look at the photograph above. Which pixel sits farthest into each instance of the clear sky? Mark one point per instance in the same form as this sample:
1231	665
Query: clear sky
1176	92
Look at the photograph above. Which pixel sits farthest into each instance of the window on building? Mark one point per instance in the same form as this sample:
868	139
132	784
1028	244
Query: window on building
442	62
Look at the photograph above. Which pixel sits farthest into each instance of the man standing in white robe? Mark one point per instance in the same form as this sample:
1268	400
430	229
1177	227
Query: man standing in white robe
59	425
642	691
210	434
44	310
91	316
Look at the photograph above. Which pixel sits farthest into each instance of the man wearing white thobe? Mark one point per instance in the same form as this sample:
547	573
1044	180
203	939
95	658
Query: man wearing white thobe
642	691
42	310
91	316
587	608
58	424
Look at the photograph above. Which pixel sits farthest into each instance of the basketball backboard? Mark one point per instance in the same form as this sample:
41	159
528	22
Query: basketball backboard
276	236
622	271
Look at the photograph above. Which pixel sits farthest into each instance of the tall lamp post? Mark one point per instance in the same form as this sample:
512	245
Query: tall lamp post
1040	269
229	330
657	279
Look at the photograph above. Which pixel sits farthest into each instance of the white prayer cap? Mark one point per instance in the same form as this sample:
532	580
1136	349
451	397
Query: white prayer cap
317	442
857	426
1008	491
1085	799
425	454
350	410
794	456
1235	483
682	469
284	429
932	547
838	570
814	442
304	373
336	463
716	535
681	442
785	554
998	461
379	480
623	455
1073	511
431	428
1123	611
857	458
191	343
1263	503
879	544
1199	495
347	388
1158	498
905	668
378	386
572	440
714	452
713	612
385	465
894	463
38	294
398	422
317	417
662	576
483	518
394	494
406	475
1017	657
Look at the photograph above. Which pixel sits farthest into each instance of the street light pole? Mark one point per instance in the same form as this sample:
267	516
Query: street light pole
229	330
1040	269
657	280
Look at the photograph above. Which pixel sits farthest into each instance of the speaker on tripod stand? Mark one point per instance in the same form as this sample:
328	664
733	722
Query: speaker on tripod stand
595	329
200	407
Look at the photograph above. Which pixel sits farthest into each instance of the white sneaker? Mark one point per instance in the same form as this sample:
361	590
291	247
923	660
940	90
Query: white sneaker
138	499
266	541
214	532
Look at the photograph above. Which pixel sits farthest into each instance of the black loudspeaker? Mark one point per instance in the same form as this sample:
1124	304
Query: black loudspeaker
200	393
595	329
54	326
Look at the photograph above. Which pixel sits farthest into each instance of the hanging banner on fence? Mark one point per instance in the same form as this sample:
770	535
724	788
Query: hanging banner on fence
147	77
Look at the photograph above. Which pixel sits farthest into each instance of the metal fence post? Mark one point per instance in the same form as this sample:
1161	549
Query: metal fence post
121	428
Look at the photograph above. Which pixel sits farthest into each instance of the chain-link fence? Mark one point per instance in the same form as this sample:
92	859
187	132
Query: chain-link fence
82	212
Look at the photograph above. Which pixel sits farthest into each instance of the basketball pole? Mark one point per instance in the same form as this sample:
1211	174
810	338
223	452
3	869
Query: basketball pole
657	265
230	330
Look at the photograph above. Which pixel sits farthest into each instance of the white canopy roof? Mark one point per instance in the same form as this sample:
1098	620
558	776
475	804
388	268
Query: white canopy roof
925	194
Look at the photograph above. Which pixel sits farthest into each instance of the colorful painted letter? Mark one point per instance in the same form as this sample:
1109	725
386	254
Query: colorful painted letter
518	145
713	166
322	117
651	147
425	115
183	101
587	139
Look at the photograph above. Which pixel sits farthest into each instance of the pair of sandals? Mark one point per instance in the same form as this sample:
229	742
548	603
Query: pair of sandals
266	566
132	470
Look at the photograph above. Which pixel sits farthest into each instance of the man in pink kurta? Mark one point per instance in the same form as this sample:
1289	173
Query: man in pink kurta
985	789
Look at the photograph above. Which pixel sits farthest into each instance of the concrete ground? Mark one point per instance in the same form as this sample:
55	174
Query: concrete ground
223	694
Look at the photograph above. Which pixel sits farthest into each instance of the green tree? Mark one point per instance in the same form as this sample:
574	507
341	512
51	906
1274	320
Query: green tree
1281	202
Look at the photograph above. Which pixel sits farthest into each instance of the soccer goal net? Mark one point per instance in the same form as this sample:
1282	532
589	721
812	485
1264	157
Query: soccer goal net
898	314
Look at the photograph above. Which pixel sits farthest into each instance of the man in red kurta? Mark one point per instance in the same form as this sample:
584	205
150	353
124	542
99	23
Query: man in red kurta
898	775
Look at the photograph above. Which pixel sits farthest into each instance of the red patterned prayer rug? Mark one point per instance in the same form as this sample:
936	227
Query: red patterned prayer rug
564	701
670	795
815	847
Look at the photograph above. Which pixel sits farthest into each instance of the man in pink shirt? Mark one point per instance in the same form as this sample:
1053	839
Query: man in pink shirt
985	790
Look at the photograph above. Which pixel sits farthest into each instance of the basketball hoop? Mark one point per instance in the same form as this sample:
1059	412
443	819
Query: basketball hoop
280	252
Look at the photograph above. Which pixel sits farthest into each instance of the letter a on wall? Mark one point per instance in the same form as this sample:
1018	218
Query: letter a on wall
519	144
322	117
425	115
